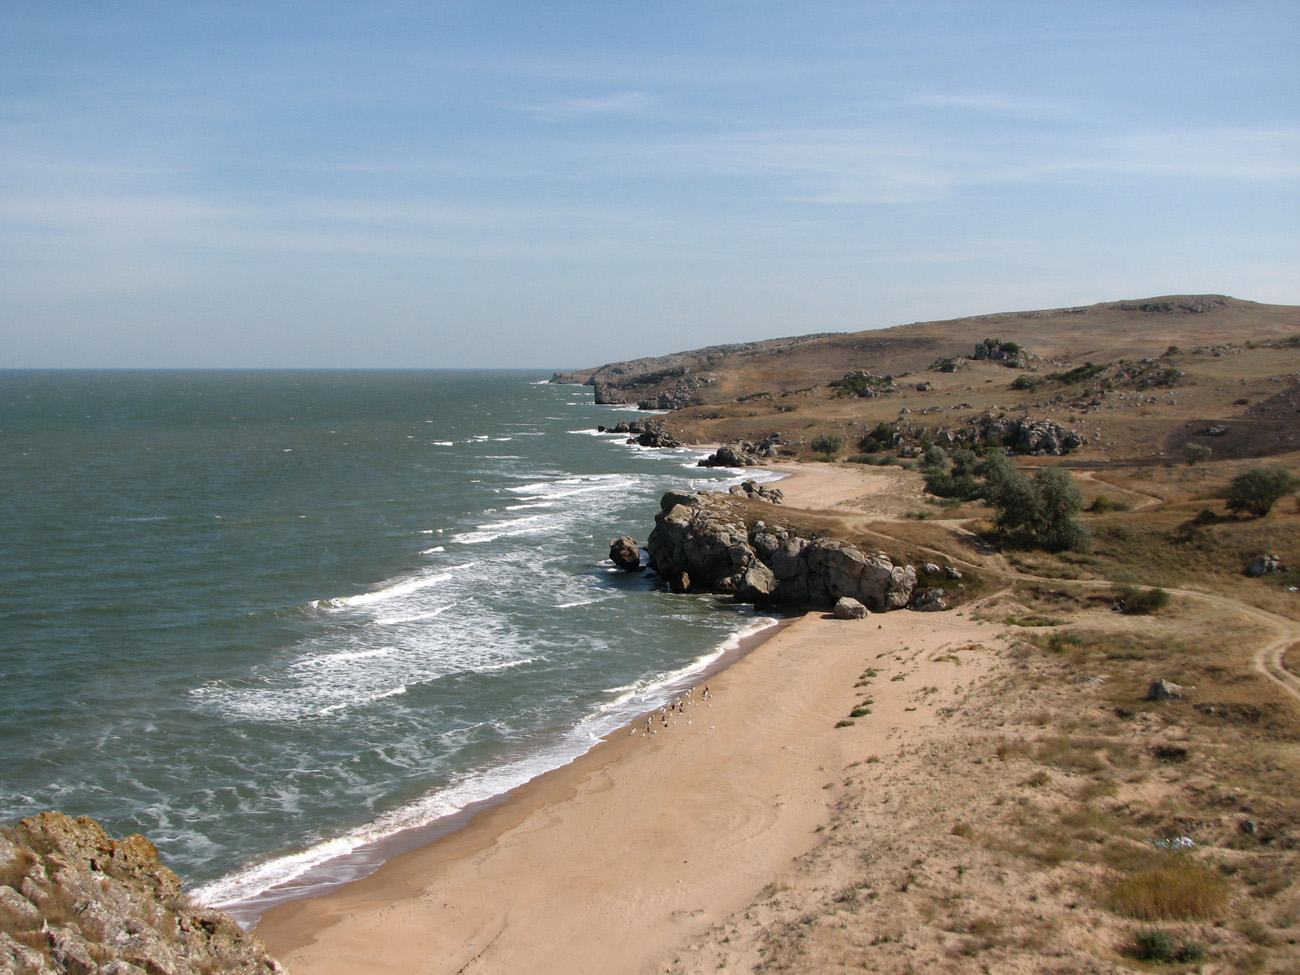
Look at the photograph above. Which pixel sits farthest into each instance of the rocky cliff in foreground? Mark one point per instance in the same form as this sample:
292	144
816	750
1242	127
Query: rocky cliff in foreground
74	900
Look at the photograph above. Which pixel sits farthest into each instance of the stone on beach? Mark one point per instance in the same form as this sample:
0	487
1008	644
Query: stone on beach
848	608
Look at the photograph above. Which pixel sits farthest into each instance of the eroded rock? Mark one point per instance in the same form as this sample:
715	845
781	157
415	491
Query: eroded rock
707	539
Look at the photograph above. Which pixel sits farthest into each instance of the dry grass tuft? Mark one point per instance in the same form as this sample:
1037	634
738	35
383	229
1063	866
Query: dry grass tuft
1179	891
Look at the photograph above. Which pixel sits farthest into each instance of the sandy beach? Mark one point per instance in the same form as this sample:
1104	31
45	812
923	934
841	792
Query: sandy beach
614	862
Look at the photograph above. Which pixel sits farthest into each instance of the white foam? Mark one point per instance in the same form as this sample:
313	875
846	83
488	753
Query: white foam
403	588
361	701
413	617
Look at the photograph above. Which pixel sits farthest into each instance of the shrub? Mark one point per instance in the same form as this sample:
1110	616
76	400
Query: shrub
883	437
1142	602
1078	374
1195	452
1159	945
1258	489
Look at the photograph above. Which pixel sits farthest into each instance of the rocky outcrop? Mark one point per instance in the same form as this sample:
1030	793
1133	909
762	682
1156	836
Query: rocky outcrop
1010	354
758	492
951	363
705	540
625	553
655	438
1264	565
1026	436
1163	690
928	600
648	433
74	900
742	453
864	384
682	394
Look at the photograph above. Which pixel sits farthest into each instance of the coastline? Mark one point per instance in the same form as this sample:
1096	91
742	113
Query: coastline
612	862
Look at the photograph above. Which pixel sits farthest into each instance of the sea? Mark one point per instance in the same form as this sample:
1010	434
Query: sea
283	623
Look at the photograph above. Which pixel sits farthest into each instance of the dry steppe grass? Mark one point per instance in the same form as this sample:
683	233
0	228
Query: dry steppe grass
1061	818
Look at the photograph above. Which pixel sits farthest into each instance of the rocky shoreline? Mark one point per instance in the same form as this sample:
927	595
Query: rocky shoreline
74	900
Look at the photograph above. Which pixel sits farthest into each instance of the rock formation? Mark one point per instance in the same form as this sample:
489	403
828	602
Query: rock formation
1026	436
848	608
758	492
624	553
74	900
1265	565
705	540
742	453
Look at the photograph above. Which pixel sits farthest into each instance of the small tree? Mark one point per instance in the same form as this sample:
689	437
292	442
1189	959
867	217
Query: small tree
1195	452
1258	489
1041	508
828	444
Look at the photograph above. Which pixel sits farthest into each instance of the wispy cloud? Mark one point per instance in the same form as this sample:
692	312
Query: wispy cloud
1001	104
626	103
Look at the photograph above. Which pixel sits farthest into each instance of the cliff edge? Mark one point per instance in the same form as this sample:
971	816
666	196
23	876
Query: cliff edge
72	899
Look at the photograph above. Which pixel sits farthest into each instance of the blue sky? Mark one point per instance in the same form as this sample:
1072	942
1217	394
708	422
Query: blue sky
448	184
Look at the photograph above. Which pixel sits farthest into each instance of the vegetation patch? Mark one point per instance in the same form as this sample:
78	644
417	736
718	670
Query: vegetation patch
1182	890
1161	946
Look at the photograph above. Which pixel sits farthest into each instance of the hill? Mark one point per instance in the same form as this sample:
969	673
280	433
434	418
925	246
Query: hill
1136	378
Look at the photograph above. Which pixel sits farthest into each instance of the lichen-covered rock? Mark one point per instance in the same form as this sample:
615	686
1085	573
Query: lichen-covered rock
77	901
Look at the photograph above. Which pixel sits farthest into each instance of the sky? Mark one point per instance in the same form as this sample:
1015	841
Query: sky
561	184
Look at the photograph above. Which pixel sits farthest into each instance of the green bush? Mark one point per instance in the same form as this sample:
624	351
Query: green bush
828	444
1195	452
1258	489
1159	945
1142	602
882	437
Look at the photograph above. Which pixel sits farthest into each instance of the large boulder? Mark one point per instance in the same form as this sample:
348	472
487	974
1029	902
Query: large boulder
848	608
625	553
1264	565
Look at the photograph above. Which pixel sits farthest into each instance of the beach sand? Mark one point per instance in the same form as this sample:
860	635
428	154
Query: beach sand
621	860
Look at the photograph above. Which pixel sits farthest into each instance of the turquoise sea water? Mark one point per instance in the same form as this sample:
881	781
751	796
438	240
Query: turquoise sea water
270	618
